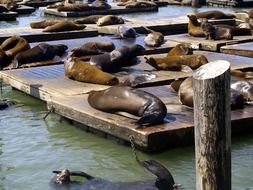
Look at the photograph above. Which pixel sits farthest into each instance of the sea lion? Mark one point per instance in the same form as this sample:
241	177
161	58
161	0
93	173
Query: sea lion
153	39
214	15
41	52
141	4
63	26
92	19
126	32
100	5
10	42
245	88
3	9
251	14
110	20
134	101
43	23
4	59
84	72
194	28
215	32
180	49
74	7
93	48
242	74
123	56
21	45
176	63
55	5
6	103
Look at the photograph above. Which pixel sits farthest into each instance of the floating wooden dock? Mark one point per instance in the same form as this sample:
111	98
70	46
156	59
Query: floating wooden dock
244	49
114	10
8	16
36	35
69	99
229	3
41	3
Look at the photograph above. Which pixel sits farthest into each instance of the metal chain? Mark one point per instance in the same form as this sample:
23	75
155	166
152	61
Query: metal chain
48	112
131	138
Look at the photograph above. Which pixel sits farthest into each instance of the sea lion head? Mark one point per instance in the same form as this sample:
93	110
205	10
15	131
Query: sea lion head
62	178
60	49
193	19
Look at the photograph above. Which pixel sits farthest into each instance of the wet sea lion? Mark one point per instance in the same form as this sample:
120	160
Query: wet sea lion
4	59
75	7
214	15
126	32
41	52
10	42
63	26
6	103
110	20
141	4
21	45
176	63
92	19
93	48
194	28
215	32
123	56
100	5
43	23
153	39
245	88
134	101
84	72
180	49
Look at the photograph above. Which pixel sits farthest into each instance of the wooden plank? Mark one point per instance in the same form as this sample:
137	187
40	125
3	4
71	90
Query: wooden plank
36	35
243	49
39	3
23	9
210	45
114	10
8	16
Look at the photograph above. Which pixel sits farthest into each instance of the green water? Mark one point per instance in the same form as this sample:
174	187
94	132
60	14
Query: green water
30	148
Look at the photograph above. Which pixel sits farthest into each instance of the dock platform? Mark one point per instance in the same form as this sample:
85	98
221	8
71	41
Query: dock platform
69	99
23	9
244	49
8	16
40	3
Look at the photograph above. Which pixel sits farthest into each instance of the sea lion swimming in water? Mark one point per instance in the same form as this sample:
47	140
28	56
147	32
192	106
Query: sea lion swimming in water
110	20
214	15
84	72
153	39
123	56
43	23
134	101
6	103
93	48
41	52
63	26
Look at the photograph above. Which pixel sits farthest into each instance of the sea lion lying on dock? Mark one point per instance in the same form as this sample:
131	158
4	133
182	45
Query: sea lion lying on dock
140	4
244	75
4	59
164	180
110	20
14	45
41	52
123	56
176	63
93	48
6	103
245	88
126	32
215	14
74	7
153	39
180	49
100	5
84	72
194	28
92	19
134	101
43	23
63	26
215	32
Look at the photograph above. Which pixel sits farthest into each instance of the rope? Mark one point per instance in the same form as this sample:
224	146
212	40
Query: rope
131	138
51	110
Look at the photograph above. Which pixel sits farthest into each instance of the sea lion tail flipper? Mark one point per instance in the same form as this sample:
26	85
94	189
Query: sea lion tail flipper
151	61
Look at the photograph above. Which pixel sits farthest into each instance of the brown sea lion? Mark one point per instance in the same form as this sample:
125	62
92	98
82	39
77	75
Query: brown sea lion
176	63
245	88
93	48
251	14
235	30
84	72
43	23
214	15
110	20
194	28
140	4
63	26
123	56
215	32
55	5
92	19
180	49
4	59
153	39
242	74
10	42
21	45
41	52
134	101
100	5
75	7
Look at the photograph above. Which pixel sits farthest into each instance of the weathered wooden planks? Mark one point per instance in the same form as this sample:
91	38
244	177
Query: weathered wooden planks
36	35
114	10
209	45
244	49
8	16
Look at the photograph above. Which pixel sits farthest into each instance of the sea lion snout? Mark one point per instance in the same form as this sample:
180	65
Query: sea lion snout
62	178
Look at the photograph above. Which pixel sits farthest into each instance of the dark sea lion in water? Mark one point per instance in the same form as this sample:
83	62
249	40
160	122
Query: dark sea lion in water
6	103
43	23
134	101
93	48
153	39
75	7
84	72
100	5
176	63
123	56
215	32
214	15
246	89
21	45
180	49
4	59
194	28
63	26
41	52
110	20
92	19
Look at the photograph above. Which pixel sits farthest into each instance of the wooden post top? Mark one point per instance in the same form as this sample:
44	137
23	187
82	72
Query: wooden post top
211	70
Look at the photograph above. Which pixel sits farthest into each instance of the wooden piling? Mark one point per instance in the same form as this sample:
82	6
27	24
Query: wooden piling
211	85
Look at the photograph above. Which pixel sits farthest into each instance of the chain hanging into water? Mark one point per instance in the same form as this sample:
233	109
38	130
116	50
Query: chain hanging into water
51	110
131	138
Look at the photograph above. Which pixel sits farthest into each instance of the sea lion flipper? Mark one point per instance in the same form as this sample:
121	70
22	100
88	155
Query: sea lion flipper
176	84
